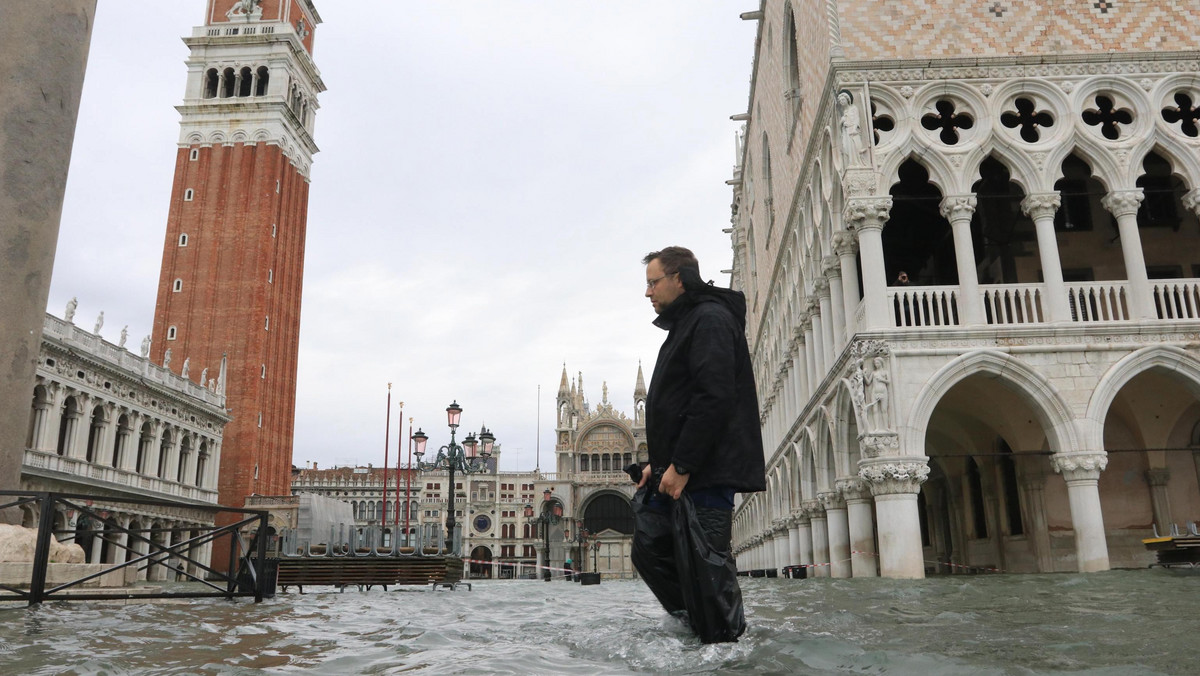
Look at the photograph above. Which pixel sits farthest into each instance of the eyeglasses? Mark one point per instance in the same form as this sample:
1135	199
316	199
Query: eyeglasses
651	282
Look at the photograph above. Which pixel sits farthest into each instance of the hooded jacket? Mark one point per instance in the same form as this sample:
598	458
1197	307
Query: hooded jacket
702	407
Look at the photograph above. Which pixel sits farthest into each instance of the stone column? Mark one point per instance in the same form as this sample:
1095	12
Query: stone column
78	424
1041	207
958	209
1034	487
1196	464
804	535
43	54
1157	478
895	483
860	511
1124	204
845	246
837	303
820	360
810	355
781	546
866	216
827	322
793	530
839	534
1082	472
820	537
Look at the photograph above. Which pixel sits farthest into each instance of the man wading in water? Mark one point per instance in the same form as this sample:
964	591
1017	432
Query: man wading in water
705	445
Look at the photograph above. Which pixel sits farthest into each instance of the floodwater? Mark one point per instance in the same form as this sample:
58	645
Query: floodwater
1118	623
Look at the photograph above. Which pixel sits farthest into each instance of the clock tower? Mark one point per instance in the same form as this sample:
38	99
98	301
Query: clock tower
233	260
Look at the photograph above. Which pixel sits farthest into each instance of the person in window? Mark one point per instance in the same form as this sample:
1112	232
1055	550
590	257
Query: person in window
901	279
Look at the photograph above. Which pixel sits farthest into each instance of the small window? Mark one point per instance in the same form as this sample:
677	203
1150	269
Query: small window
188	194
277	185
194	155
270	276
171	333
267	324
177	286
183	239
264	371
272	229
260	425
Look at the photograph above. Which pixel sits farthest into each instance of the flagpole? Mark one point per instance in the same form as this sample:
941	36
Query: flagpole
408	484
387	435
538	439
399	436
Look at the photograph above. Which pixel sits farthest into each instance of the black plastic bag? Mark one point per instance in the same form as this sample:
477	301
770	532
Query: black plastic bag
684	571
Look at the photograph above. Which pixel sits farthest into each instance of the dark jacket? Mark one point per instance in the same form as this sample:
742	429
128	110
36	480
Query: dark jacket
702	408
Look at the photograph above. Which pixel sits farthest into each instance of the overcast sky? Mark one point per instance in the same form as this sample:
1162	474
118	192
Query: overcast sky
489	176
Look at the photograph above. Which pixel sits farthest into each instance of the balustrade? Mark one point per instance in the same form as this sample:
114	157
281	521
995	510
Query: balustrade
1177	298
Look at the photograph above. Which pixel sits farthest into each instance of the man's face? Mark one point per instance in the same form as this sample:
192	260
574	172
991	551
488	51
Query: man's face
662	289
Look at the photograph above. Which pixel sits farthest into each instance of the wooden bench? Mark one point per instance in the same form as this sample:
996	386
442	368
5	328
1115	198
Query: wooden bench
367	571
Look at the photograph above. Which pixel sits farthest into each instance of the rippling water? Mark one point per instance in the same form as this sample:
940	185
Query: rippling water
1113	624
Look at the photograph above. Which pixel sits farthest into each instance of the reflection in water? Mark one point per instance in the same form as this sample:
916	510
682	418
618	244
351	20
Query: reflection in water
1116	623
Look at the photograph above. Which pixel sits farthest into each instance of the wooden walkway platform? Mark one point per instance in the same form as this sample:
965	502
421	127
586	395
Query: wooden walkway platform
1176	550
340	571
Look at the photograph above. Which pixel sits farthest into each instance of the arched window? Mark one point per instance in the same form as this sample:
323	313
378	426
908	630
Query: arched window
171	333
227	83
245	81
609	512
183	239
95	433
119	440
260	86
583	463
177	286
201	464
211	83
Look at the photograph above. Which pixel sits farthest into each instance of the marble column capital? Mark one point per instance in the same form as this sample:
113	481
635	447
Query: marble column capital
797	518
814	509
866	213
1085	466
958	207
845	243
1041	205
1123	202
832	267
1158	476
821	289
832	500
1191	200
854	489
895	475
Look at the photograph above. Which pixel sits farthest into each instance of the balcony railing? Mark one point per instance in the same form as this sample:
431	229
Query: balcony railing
118	477
924	305
1012	304
1177	298
1092	302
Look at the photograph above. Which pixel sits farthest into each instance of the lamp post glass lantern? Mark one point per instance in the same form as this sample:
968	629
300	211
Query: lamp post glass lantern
469	458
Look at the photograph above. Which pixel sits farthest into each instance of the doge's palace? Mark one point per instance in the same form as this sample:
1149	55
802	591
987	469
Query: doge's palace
967	233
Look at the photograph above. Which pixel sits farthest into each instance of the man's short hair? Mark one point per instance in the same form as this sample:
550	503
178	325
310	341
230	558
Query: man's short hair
672	258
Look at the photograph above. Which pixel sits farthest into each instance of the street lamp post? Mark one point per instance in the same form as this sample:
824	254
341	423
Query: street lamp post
551	515
469	458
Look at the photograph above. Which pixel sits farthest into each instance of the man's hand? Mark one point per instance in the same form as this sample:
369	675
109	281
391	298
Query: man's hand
645	476
672	482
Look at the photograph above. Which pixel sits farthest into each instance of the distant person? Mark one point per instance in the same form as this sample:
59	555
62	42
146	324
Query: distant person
702	428
902	279
903	311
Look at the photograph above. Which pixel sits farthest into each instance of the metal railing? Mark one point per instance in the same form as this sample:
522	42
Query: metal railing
244	576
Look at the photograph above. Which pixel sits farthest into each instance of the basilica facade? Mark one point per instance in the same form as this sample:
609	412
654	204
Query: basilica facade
967	233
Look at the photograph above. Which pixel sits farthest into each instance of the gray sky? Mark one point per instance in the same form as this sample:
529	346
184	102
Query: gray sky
490	176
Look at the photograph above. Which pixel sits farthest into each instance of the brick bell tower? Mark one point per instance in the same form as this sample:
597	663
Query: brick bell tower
233	260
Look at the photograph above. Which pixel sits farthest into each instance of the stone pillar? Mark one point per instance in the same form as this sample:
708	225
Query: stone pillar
958	209
799	368
1034	487
793	527
78	424
1157	478
866	216
1082	473
839	534
804	535
894	483
837	304
1124	205
810	356
1041	207
781	546
43	54
845	246
820	361
820	538
1196	464
827	321
860	511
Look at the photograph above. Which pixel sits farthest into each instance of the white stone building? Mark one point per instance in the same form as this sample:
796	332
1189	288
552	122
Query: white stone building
1030	400
106	422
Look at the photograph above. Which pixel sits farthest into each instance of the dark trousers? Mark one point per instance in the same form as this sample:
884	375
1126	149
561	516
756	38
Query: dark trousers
653	552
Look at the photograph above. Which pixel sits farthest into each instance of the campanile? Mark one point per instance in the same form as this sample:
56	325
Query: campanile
233	259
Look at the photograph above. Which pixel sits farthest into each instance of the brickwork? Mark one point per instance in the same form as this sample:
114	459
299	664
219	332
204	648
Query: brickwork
914	29
242	230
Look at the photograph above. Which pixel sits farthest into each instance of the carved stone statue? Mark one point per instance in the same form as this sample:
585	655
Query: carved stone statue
99	323
853	150
248	9
69	315
877	384
167	358
146	347
204	375
187	366
124	335
855	385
